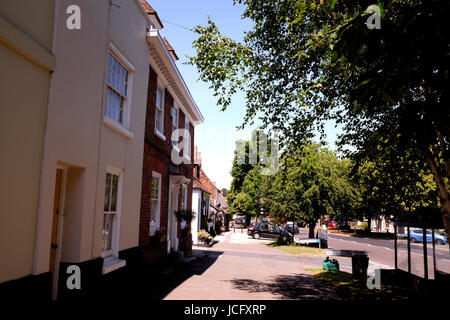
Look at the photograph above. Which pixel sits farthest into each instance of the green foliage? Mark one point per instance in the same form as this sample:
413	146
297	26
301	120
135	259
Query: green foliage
282	240
212	232
391	182
242	204
218	226
185	214
204	236
204	223
297	250
312	182
364	226
306	62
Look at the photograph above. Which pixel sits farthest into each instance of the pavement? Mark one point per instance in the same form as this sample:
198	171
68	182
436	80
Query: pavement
240	268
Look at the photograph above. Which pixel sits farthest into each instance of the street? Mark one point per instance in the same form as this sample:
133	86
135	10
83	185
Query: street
381	252
241	268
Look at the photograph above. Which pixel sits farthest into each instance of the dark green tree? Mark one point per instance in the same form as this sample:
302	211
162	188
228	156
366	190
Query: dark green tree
312	182
308	61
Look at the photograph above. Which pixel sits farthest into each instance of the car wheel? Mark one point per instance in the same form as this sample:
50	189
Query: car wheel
439	242
256	236
413	240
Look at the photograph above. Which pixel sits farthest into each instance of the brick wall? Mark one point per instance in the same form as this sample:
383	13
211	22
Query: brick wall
208	185
157	157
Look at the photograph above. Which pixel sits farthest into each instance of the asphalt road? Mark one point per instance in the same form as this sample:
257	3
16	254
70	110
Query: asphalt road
381	251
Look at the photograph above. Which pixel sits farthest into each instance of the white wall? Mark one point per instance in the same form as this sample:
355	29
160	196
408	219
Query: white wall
76	136
24	85
196	207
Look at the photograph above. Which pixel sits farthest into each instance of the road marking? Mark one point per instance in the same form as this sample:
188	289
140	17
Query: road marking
387	248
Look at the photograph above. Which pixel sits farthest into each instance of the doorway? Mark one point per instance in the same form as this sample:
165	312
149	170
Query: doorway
55	249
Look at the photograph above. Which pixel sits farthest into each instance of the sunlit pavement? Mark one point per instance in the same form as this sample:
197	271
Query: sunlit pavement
241	268
238	267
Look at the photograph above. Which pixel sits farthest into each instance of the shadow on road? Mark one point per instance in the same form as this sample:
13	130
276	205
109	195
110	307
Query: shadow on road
158	284
297	287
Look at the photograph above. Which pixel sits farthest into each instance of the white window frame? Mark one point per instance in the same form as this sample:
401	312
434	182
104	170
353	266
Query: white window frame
160	131
124	126
114	251
155	225
187	142
175	125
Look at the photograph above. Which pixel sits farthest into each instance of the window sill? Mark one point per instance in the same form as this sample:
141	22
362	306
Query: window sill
159	134
117	127
111	264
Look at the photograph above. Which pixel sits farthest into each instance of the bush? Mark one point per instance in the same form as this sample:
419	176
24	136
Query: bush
218	226
364	226
283	240
204	236
204	223
185	214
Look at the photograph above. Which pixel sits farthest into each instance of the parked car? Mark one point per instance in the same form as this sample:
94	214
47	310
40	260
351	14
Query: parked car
267	230
289	227
239	222
416	235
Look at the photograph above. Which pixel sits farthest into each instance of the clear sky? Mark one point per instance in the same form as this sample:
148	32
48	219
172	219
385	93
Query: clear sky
217	135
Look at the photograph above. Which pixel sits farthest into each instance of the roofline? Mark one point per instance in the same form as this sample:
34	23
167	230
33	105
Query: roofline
155	34
151	13
143	11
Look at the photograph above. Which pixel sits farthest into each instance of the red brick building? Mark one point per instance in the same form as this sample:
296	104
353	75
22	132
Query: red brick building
166	185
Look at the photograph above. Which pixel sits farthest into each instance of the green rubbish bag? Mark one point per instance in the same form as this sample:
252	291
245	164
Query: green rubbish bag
330	265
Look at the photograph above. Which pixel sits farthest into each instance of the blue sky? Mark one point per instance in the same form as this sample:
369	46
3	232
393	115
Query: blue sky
217	135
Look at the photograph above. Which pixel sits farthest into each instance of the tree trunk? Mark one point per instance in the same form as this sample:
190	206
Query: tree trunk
443	193
312	226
